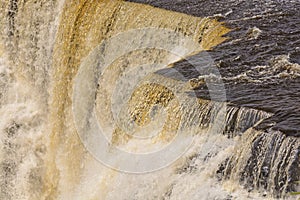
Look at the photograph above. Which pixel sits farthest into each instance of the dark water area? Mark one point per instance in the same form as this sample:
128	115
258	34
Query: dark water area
259	63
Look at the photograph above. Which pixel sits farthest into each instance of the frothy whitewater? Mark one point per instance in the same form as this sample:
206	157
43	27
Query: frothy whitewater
48	84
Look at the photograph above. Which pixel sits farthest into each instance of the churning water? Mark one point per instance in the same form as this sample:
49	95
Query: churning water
170	100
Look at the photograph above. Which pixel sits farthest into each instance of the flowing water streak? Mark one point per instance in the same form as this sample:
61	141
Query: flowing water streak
28	30
268	161
84	24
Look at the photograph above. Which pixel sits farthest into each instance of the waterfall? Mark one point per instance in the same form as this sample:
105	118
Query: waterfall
268	161
49	49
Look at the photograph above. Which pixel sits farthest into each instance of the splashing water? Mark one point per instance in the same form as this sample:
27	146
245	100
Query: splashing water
54	95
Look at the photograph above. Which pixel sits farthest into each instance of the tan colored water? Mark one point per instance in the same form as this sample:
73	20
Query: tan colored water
43	45
84	24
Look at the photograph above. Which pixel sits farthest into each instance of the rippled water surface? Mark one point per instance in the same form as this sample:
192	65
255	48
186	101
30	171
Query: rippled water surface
260	62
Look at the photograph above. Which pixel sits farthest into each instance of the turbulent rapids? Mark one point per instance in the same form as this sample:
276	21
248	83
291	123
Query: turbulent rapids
123	100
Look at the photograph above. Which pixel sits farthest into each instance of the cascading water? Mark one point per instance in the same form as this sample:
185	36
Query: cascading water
50	85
